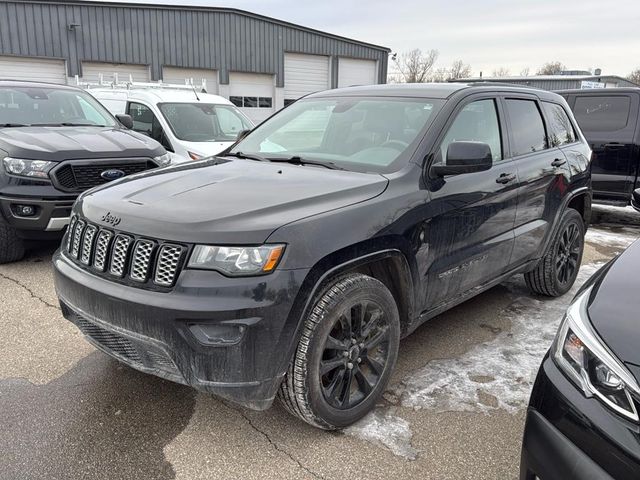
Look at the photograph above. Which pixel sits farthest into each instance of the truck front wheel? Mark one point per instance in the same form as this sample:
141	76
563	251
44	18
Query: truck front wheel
11	245
346	354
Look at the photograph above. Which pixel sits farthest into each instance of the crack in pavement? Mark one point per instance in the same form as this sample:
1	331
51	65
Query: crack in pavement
274	444
31	292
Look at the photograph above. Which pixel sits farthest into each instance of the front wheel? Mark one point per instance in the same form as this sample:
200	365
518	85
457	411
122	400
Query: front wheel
345	357
558	269
11	245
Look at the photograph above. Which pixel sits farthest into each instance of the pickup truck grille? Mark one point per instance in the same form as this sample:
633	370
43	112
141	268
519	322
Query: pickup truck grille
123	257
77	176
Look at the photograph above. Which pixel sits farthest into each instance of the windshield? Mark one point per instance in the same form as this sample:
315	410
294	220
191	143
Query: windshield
362	134
51	107
204	122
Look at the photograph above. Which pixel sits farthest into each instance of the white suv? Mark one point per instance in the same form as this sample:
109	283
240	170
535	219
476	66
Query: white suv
186	122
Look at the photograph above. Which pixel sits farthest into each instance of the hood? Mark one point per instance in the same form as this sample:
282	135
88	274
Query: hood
206	149
69	143
235	202
614	308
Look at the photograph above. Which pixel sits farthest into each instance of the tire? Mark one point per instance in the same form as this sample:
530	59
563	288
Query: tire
11	245
364	365
557	270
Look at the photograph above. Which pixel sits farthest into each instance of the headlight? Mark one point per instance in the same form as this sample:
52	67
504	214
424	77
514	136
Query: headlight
589	363
237	260
163	160
27	168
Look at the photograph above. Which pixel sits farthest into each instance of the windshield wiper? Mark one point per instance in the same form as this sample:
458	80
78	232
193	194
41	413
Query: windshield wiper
66	124
7	125
297	160
248	156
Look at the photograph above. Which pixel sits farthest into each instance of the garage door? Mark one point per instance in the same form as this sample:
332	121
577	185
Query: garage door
177	75
34	69
356	72
253	94
304	74
91	72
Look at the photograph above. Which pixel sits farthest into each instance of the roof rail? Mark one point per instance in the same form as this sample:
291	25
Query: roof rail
131	85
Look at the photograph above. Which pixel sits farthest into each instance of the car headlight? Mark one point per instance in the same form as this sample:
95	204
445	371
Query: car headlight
588	362
237	261
27	168
163	160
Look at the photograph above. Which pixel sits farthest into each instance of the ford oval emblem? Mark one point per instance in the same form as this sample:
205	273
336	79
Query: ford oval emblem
112	174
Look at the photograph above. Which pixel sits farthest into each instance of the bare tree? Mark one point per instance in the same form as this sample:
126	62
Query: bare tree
415	66
501	72
459	69
552	68
440	75
634	76
524	72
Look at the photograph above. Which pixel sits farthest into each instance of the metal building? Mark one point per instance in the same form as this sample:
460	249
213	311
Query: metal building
568	80
260	63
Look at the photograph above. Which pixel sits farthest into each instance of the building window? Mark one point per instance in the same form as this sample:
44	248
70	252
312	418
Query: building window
289	101
252	102
237	101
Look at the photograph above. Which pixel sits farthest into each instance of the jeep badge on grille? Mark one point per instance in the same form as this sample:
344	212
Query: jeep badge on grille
111	219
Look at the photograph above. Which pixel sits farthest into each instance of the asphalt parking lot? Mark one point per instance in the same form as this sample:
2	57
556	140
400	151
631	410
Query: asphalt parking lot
454	409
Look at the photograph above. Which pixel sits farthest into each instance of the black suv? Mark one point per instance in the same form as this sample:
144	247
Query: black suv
293	264
55	142
609	119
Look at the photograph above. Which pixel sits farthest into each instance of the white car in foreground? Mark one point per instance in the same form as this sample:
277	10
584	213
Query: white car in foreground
186	122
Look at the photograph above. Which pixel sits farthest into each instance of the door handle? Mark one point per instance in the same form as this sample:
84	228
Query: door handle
558	162
505	178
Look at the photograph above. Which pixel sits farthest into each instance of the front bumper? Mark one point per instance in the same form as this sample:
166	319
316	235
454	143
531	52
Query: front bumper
569	436
229	336
50	215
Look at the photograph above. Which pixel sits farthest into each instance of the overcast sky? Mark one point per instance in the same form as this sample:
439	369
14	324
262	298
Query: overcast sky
487	34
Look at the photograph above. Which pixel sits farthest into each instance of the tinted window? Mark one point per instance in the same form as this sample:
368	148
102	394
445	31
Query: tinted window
527	127
477	122
560	128
602	114
142	117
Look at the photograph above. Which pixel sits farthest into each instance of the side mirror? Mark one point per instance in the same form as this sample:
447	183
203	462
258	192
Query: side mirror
242	134
465	157
125	120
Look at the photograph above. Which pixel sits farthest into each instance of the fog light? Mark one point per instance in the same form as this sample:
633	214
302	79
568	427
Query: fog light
218	333
25	210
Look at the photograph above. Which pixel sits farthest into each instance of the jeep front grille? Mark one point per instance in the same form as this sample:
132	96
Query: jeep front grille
123	257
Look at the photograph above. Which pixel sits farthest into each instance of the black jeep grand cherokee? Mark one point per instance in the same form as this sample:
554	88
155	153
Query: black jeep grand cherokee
293	264
57	141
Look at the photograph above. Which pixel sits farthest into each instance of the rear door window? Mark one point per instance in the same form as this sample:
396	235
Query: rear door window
527	127
602	113
561	131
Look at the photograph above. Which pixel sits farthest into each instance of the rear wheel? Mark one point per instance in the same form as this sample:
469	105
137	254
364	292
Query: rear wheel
345	357
558	269
11	245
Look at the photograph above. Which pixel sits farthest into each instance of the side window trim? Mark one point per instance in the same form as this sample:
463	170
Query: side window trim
454	114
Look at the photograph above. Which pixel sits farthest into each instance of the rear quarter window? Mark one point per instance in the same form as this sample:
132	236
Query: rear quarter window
601	113
560	128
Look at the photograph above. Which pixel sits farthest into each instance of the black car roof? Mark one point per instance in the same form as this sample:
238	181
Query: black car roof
29	84
429	90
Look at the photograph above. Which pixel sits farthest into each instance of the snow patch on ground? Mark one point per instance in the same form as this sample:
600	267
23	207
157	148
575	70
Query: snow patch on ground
498	373
385	428
618	237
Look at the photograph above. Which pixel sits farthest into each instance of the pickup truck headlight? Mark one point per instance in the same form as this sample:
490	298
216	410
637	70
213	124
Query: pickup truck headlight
27	168
163	160
588	362
237	261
